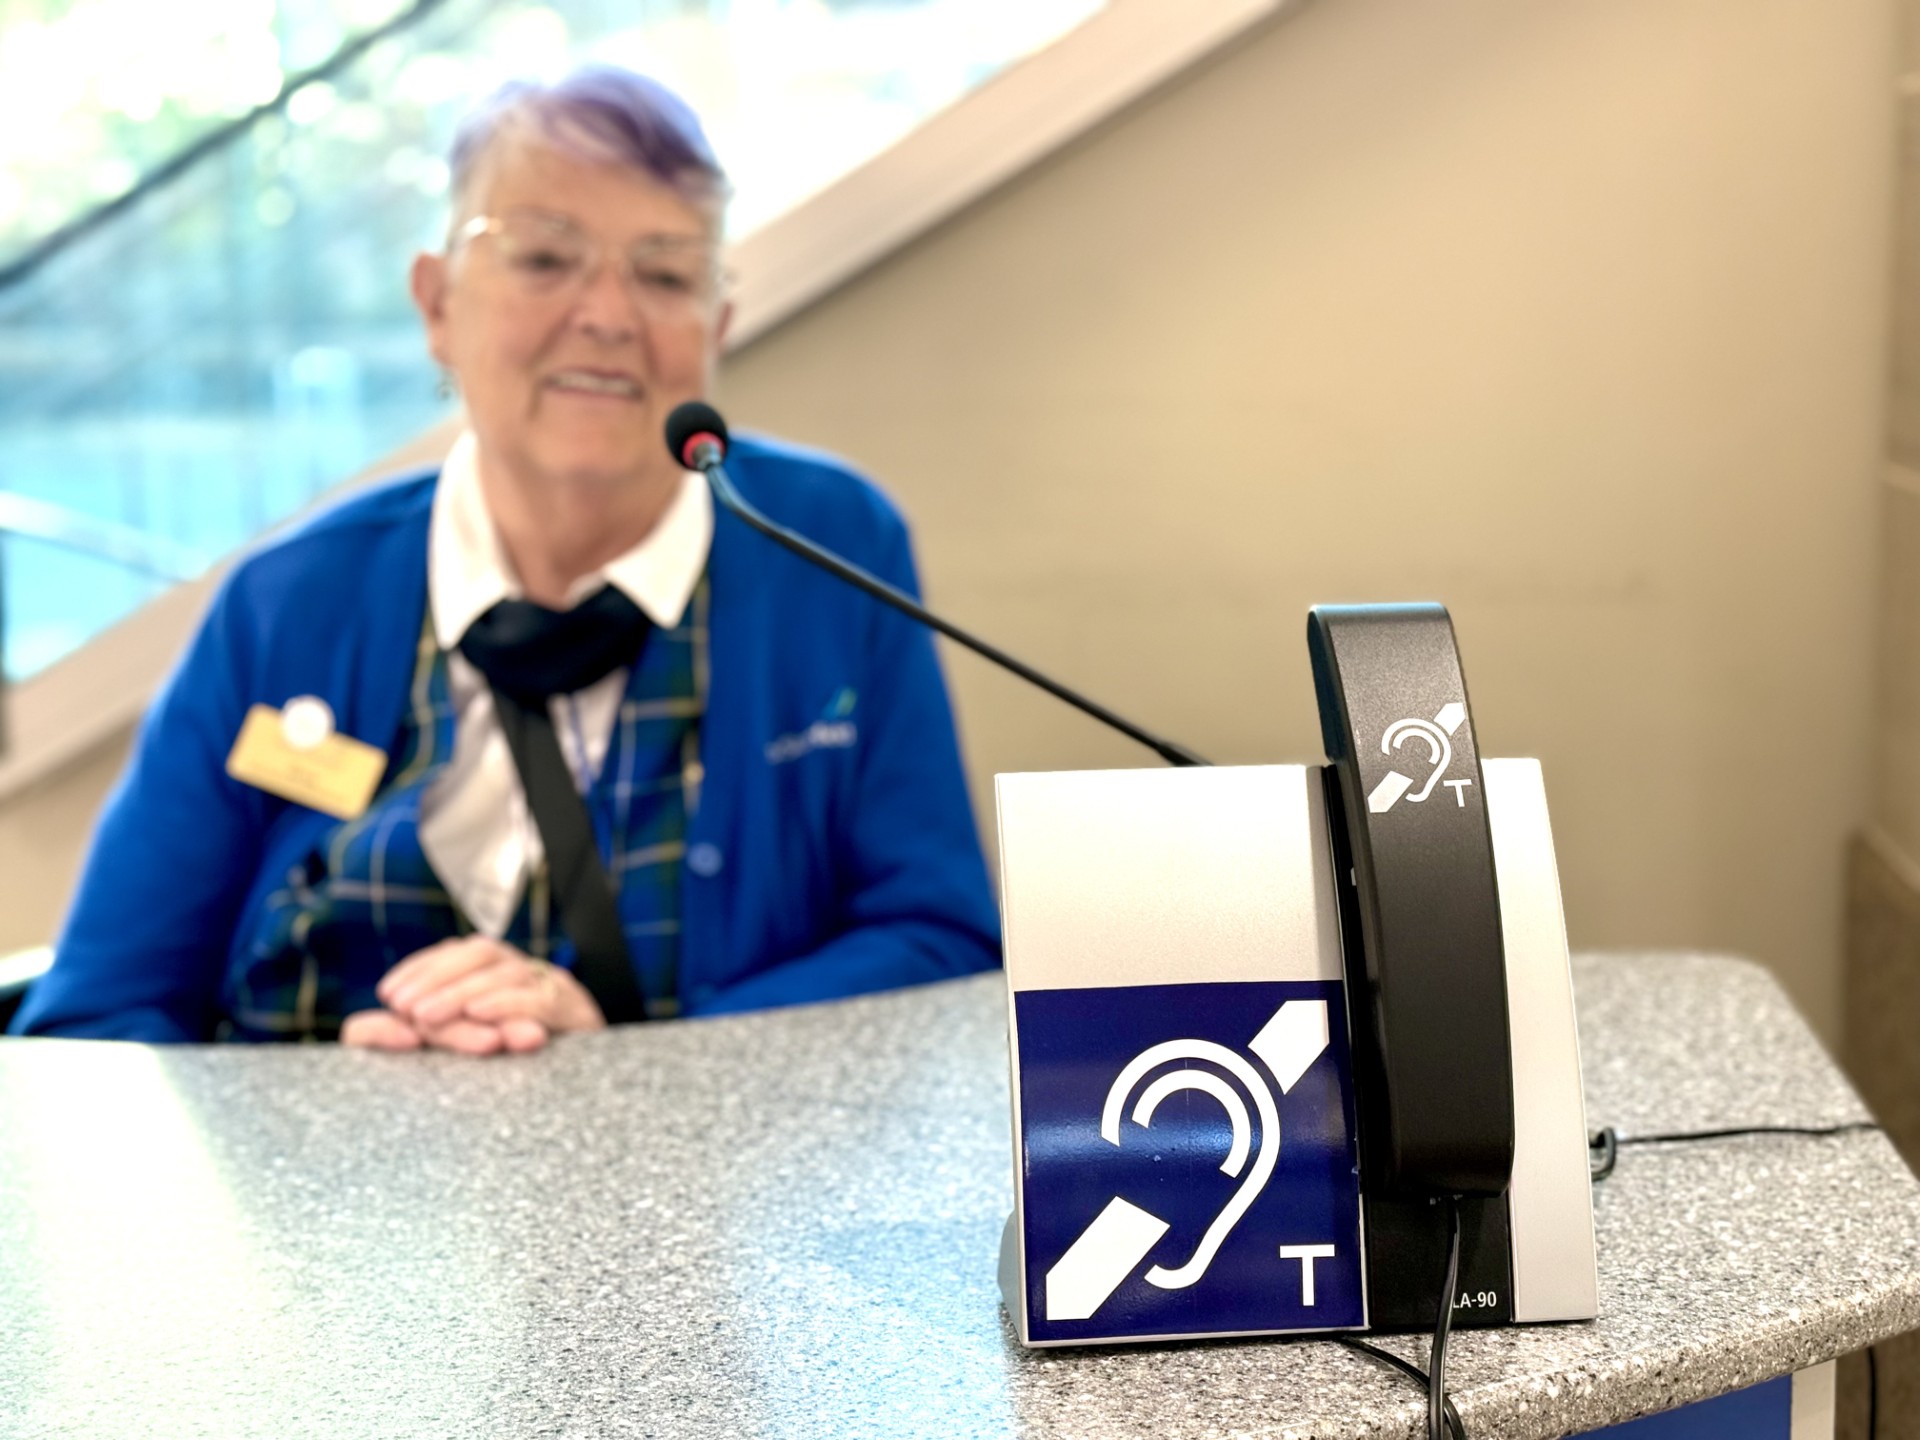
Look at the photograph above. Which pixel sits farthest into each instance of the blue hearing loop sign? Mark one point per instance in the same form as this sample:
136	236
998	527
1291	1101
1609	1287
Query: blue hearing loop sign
1189	1160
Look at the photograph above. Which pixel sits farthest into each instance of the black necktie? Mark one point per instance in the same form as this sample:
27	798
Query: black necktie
529	654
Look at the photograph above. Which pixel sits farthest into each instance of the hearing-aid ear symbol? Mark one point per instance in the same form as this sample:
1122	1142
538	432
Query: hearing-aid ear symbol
1119	1238
1211	1084
1434	734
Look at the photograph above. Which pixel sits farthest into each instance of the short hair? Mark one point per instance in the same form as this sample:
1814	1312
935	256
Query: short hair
602	113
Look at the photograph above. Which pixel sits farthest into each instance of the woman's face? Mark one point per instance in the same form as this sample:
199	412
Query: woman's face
570	375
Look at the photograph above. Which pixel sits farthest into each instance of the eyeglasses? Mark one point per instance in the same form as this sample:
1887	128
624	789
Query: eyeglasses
547	256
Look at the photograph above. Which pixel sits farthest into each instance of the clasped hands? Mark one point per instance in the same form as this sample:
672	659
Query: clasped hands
474	995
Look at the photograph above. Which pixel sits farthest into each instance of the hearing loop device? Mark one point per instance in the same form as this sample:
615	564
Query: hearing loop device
1264	1019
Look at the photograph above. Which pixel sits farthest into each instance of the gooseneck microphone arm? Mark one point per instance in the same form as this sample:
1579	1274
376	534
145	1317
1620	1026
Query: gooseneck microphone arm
697	437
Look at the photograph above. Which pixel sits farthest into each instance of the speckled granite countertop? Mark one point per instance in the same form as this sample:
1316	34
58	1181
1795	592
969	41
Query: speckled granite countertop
786	1225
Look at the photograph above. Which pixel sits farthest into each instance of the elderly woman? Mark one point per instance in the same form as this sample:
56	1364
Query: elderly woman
541	742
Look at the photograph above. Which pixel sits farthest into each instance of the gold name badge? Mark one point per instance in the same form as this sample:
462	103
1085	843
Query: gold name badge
298	755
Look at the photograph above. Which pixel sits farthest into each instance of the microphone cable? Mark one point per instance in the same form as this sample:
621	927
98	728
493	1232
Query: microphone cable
697	437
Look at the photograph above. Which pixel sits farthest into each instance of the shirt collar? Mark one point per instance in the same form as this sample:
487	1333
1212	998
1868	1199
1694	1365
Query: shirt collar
468	571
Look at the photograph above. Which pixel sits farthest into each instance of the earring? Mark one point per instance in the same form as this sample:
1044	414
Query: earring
445	389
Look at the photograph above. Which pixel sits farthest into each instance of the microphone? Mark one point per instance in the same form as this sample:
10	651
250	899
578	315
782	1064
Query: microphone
697	438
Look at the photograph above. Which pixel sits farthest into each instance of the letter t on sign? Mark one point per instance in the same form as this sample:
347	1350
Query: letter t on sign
1306	1255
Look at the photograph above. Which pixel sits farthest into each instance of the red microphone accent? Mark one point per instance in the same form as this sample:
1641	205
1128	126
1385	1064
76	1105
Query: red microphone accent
694	442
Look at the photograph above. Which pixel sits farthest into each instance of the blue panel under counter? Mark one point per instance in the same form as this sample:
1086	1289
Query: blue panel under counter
1759	1412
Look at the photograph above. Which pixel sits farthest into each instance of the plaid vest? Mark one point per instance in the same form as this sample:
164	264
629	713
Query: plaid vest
365	897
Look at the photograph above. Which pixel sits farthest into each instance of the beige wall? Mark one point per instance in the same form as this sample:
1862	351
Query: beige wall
1571	316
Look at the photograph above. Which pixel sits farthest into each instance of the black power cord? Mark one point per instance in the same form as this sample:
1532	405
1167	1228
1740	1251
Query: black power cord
1604	1144
1873	1395
1437	1362
1409	1369
1442	1418
1603	1153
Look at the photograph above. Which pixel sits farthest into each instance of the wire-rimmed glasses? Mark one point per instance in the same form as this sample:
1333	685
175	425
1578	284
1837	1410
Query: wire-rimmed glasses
547	256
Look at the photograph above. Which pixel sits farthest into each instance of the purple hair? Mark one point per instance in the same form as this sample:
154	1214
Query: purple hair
602	113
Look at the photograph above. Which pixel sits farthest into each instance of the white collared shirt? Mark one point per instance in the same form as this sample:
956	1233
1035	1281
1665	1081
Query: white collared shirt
475	827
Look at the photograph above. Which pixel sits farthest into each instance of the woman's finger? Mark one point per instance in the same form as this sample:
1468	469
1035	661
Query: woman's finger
427	970
526	1001
448	1001
468	1037
521	1035
379	1030
554	998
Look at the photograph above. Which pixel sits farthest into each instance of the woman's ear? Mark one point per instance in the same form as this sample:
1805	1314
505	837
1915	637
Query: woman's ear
428	283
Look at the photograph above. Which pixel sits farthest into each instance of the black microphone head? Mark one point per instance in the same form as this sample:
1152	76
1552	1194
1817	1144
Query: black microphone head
691	423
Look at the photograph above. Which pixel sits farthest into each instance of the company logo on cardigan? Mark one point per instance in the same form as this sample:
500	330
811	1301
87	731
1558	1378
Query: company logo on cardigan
832	731
821	735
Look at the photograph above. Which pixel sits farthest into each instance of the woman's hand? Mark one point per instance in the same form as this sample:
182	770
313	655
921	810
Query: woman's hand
474	995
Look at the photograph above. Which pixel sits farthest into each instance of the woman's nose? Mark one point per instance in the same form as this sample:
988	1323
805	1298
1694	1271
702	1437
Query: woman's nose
606	304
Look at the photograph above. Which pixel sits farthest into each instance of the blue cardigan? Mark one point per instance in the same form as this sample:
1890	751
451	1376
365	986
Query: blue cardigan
841	855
